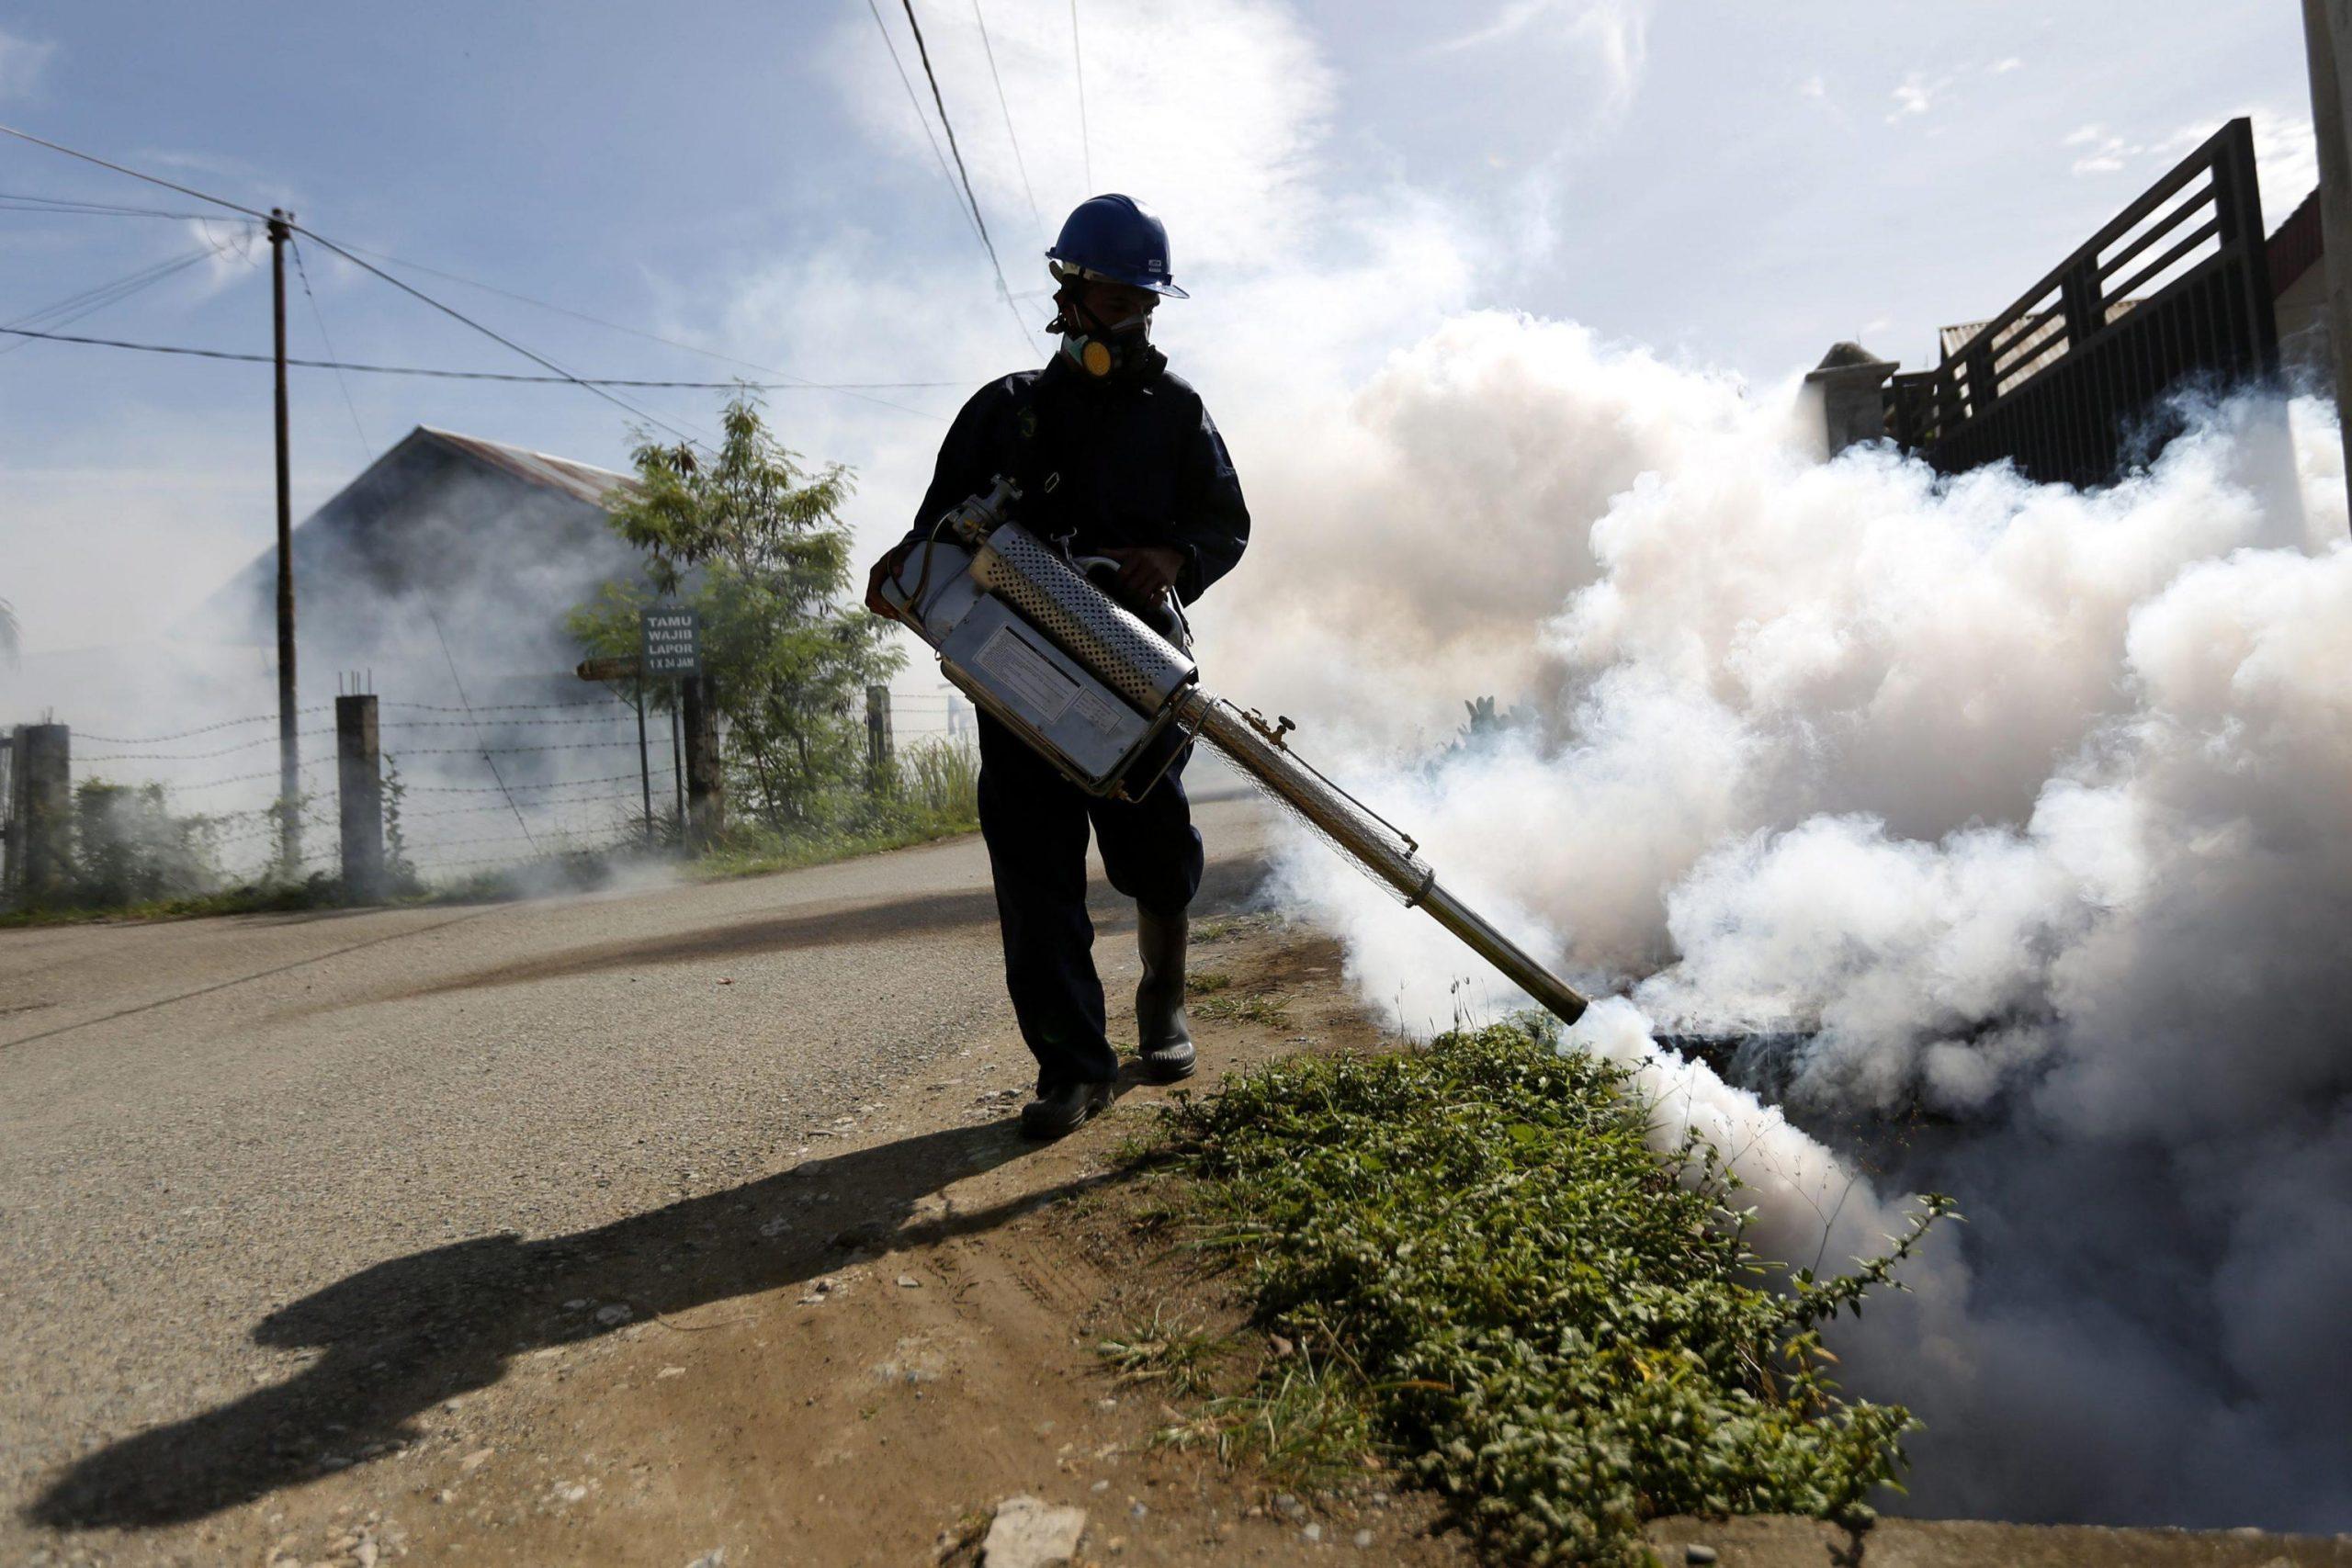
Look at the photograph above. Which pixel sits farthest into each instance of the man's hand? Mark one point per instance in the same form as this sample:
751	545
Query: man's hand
884	570
1146	570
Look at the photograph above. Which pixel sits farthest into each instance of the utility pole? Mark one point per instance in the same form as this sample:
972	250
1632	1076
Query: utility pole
2327	34
289	755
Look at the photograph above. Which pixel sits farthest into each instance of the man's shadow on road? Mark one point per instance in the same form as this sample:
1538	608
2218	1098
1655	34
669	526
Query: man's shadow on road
401	1335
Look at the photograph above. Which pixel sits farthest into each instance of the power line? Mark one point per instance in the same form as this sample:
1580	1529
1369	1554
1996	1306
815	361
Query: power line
921	119
89	302
1006	106
791	381
408	289
16	201
923	51
453	375
1085	139
460	316
847	388
134	174
367	447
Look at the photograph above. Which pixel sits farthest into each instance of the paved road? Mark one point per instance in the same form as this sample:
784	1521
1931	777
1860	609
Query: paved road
202	1121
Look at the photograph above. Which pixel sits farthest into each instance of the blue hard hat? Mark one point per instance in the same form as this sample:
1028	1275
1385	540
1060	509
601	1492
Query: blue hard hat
1118	238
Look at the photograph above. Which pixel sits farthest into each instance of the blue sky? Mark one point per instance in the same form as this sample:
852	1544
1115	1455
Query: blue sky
1734	186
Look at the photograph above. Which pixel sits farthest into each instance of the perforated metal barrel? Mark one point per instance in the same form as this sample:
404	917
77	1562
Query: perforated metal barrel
1133	660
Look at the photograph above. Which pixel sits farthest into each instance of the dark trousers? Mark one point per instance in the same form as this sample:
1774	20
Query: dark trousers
1035	822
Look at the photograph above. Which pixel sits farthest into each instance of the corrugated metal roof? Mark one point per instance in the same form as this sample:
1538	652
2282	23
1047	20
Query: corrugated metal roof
582	481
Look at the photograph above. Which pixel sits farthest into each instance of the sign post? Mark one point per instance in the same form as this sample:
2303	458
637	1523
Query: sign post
670	643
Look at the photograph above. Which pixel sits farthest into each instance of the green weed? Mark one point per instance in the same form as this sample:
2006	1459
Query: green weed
1169	1350
1263	1010
1560	1330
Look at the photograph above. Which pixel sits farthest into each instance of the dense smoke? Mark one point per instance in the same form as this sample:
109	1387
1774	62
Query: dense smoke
2009	823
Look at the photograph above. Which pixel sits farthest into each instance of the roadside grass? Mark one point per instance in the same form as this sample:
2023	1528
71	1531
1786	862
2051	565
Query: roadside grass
1171	1349
935	798
257	898
1303	1425
1268	1011
759	859
1471	1265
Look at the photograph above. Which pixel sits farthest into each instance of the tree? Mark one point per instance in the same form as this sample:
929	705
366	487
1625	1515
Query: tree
754	542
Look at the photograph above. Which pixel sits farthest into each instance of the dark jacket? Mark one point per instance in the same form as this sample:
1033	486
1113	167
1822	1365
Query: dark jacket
1132	461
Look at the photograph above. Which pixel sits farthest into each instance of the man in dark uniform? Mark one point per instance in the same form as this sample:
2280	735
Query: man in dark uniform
1115	457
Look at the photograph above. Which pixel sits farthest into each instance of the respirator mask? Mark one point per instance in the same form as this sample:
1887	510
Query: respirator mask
1103	349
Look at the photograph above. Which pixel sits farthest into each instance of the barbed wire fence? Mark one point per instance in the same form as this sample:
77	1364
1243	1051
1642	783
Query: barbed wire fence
538	782
595	803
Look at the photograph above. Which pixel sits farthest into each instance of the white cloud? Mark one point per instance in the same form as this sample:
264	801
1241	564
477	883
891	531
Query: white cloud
1216	108
23	62
1509	22
1916	94
2002	67
1813	86
1613	33
2286	152
2286	157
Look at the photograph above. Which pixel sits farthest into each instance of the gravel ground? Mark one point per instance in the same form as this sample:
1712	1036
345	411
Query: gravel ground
201	1121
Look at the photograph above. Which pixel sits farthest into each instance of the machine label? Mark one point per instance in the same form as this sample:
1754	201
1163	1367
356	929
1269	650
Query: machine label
1024	674
1098	711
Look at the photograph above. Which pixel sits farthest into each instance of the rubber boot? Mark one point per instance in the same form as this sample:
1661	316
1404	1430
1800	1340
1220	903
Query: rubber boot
1057	1111
1163	1034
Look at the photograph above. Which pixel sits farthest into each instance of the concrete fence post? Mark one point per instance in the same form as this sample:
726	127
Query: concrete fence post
1851	381
880	774
705	780
359	780
12	852
41	838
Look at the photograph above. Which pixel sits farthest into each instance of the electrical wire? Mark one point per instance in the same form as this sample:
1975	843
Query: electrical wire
923	51
89	302
449	375
367	447
1085	138
405	288
540	359
1002	103
16	202
851	389
353	253
134	174
915	104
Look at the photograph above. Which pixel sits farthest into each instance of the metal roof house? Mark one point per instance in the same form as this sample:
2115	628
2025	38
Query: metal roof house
444	538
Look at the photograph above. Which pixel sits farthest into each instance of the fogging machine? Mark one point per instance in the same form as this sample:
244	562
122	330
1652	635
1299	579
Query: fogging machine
1110	701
